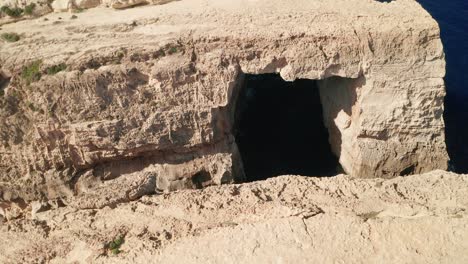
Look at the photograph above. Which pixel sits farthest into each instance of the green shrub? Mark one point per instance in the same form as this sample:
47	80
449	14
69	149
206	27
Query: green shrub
56	68
114	246
10	37
32	72
172	50
12	12
28	10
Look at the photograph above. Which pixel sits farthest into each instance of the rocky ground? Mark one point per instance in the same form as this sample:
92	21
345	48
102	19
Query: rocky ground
287	219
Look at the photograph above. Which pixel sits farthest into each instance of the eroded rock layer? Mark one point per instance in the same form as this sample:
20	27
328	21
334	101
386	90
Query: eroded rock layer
152	90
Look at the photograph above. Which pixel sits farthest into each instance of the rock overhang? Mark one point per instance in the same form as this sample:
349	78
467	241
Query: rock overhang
157	85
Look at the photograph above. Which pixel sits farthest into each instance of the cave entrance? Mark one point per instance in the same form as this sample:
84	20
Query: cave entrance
279	129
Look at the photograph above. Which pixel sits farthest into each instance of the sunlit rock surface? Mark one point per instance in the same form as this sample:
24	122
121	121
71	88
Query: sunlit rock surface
151	90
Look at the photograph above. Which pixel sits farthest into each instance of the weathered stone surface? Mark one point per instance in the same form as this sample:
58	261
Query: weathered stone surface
381	125
69	5
38	207
157	85
122	4
87	3
62	5
287	219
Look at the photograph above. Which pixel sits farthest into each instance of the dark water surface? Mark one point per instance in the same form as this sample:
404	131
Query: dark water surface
452	16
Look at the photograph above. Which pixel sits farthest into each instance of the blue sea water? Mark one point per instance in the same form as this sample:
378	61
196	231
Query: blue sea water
452	16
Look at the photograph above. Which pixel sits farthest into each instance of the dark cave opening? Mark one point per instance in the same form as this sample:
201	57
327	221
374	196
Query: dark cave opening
279	129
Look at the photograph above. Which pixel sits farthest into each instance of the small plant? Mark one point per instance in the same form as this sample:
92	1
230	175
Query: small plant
32	107
159	53
79	10
114	246
117	59
28	10
10	37
56	68
12	12
16	95
120	54
32	72
369	215
172	50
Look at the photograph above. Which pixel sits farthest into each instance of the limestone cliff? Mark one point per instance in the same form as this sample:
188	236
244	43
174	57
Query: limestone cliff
151	91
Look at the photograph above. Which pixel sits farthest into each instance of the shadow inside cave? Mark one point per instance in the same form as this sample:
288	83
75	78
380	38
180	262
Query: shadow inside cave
279	129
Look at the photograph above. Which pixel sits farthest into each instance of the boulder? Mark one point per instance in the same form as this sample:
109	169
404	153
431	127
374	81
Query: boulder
67	5
86	4
38	207
62	5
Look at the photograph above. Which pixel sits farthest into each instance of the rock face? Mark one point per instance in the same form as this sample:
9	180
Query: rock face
152	90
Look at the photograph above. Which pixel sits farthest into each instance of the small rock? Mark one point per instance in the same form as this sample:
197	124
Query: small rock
37	207
13	212
2	212
57	203
73	17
